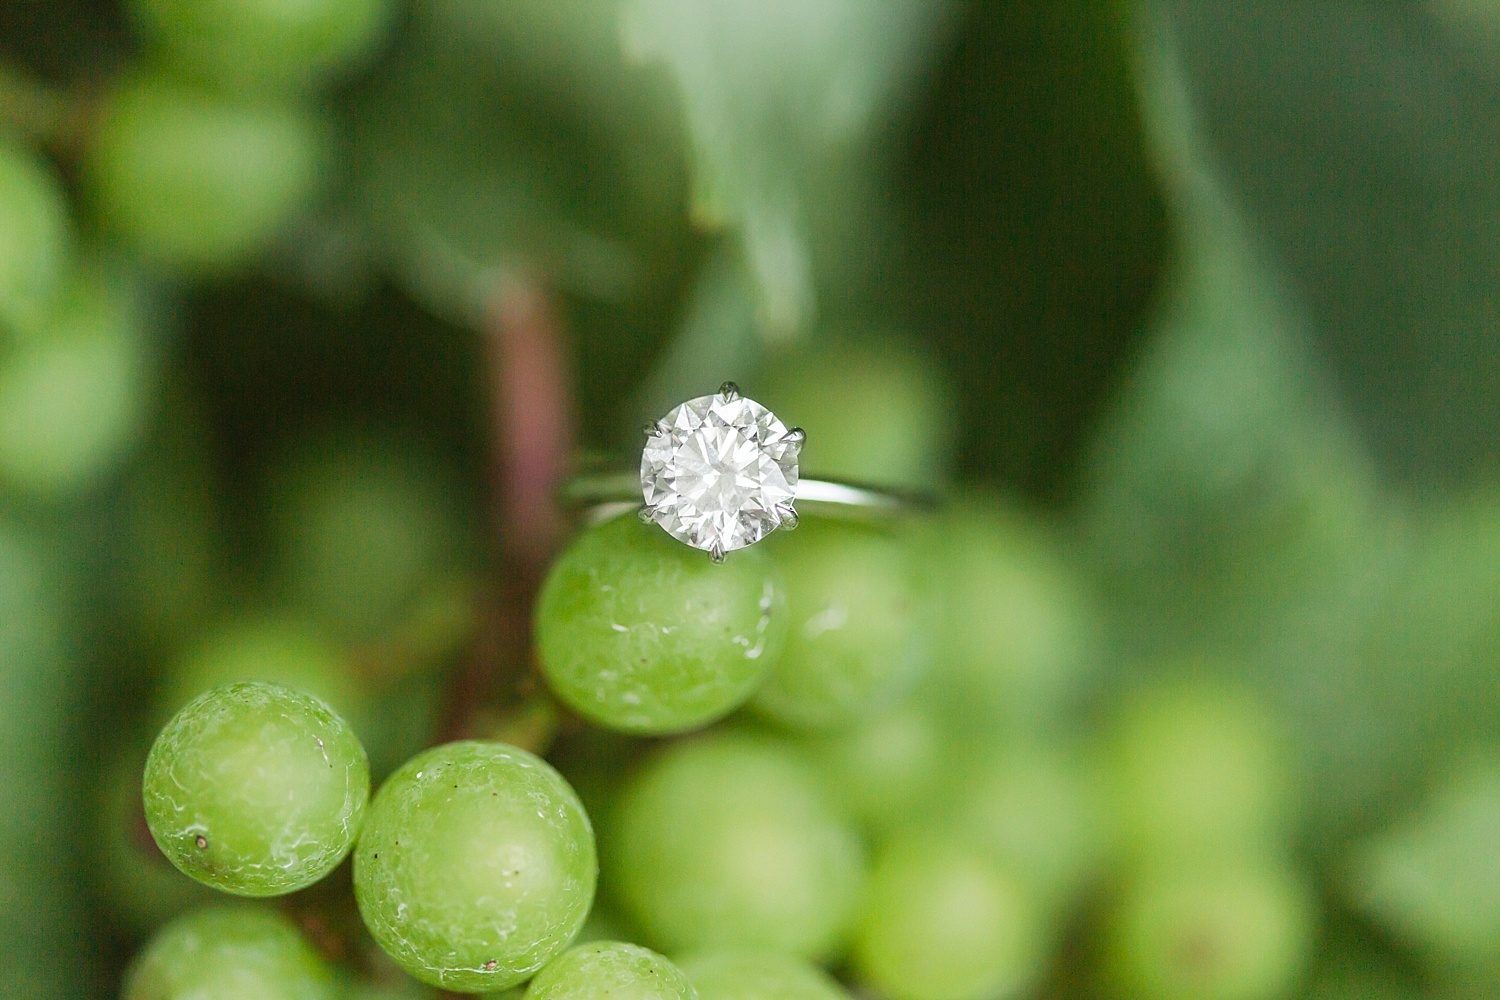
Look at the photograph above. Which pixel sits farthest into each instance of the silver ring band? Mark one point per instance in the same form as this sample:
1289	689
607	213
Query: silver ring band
603	495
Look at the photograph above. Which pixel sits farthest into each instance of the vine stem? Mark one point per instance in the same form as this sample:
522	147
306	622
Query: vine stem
531	399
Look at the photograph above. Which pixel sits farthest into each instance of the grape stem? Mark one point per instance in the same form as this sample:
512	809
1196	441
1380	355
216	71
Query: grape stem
531	400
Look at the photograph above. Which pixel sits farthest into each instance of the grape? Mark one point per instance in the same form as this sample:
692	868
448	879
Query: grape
73	398
1195	769
228	953
264	44
476	866
853	642
742	974
1434	877
729	840
610	969
883	769
881	412
1015	629
197	182
256	789
942	922
1236	931
1036	811
35	238
638	632
363	529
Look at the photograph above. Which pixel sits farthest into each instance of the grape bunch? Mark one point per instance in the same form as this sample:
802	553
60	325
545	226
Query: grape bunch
283	290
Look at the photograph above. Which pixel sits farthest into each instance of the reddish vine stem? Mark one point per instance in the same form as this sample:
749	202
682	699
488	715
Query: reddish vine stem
531	402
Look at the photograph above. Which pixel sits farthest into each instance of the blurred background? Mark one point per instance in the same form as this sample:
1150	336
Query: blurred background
1192	308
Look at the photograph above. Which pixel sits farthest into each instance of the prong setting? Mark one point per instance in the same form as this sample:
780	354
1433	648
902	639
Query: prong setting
645	515
715	471
794	439
786	517
716	554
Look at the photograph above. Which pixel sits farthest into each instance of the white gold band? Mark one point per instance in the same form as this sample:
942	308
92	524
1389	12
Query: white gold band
604	495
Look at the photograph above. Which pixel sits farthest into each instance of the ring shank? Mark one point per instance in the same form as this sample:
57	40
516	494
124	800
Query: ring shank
608	494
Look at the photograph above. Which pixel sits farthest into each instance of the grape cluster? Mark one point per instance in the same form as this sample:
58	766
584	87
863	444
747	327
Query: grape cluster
986	754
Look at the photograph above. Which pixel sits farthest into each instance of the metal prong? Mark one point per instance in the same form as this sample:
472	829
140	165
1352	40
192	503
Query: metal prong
794	439
729	392
644	515
717	554
786	517
652	428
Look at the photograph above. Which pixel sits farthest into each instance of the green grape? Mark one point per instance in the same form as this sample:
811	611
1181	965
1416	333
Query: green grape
1197	769
640	633
35	238
1225	932
1434	877
1036	810
743	974
885	768
729	840
1015	631
140	887
264	44
876	411
363	530
853	643
197	182
610	969
73	398
943	922
256	789
476	866
228	953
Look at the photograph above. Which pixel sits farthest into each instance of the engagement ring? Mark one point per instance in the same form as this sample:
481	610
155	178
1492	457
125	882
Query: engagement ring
720	473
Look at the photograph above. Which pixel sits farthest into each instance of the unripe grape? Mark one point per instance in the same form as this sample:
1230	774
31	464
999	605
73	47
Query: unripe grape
877	411
73	397
742	974
1015	631
363	529
884	768
610	969
256	789
641	633
198	182
1197	769
1235	931
943	922
35	234
224	952
476	866
1036	811
729	840
264	44
853	642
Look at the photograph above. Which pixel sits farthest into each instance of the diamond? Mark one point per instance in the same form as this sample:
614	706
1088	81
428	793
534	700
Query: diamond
720	472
